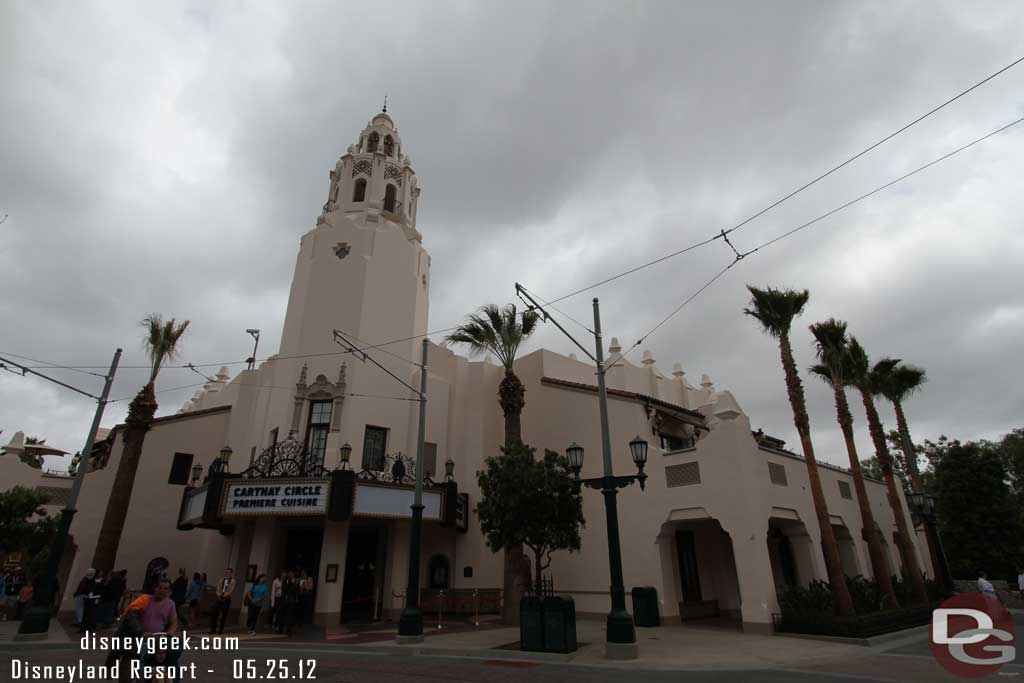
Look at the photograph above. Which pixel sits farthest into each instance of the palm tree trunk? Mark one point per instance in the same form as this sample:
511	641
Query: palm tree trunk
833	564
911	567
138	422
871	533
910	455
512	398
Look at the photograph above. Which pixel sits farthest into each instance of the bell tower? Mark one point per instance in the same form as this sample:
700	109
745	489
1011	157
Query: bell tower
374	181
362	270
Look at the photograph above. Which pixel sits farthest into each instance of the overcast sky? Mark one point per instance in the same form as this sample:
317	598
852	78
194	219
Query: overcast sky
168	156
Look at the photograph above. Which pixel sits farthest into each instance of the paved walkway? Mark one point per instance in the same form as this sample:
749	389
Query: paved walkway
667	647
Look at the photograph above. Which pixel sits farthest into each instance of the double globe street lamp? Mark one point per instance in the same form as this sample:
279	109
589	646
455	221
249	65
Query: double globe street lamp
923	505
621	633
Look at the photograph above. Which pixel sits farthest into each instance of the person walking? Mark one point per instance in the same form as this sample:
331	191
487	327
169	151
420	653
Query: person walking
24	598
255	599
3	596
179	588
225	588
305	597
276	604
193	594
10	597
85	587
290	597
112	593
985	587
1020	583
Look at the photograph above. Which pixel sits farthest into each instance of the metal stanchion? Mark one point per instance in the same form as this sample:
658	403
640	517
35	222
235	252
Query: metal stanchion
476	608
440	607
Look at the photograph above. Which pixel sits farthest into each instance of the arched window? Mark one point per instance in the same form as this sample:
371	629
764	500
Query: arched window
389	199
389	145
438	572
359	191
374	140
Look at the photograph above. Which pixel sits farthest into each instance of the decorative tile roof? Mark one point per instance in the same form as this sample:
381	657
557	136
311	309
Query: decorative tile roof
690	416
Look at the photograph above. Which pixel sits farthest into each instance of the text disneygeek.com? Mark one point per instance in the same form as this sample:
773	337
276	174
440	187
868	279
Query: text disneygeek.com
159	657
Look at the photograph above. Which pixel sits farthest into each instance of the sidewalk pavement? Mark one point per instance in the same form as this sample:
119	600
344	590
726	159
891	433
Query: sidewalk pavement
669	647
672	647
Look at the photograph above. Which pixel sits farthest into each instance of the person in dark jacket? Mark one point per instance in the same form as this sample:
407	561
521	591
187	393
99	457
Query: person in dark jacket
179	588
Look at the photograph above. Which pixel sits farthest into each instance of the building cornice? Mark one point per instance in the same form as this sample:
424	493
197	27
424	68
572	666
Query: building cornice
689	416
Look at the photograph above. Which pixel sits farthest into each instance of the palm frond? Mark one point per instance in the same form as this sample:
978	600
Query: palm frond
859	364
498	330
161	340
775	309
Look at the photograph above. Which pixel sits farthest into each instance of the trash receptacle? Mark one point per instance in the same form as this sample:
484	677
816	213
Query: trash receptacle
645	606
531	625
559	624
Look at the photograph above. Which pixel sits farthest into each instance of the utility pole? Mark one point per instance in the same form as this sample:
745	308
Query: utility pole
36	623
620	632
410	622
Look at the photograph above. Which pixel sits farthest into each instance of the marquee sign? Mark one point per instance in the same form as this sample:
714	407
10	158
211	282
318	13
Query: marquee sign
394	503
276	497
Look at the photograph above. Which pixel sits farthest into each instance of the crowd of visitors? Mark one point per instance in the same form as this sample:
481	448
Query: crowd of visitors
103	600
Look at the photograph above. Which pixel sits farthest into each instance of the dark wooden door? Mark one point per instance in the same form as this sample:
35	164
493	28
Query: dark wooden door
686	547
360	571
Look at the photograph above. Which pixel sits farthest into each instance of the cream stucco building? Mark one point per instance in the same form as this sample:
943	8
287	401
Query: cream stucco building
726	519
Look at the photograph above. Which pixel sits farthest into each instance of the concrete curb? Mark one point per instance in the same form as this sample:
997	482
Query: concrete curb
894	638
468	653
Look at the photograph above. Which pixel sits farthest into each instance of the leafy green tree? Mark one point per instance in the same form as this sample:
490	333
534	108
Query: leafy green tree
24	525
530	502
978	513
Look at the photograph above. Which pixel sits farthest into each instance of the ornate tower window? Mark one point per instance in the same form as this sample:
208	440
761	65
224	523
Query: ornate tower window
374	141
389	199
389	145
316	431
359	190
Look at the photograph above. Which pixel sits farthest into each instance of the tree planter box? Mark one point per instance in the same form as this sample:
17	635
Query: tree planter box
547	625
858	626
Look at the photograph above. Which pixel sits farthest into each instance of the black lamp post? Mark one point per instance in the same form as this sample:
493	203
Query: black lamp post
344	453
923	505
252	359
221	462
620	634
620	624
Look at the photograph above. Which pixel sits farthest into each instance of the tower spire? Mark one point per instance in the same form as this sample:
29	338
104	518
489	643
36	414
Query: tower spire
385	109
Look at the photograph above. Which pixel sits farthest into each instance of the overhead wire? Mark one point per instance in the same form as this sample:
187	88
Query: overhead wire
739	256
722	234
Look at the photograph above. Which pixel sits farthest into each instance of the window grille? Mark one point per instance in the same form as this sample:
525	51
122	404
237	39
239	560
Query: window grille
683	474
777	473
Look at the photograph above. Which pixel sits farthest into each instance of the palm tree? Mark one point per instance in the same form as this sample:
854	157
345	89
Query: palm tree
897	382
500	331
161	343
775	310
865	381
835	369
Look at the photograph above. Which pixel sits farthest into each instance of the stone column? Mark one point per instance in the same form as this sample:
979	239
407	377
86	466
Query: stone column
754	573
333	549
